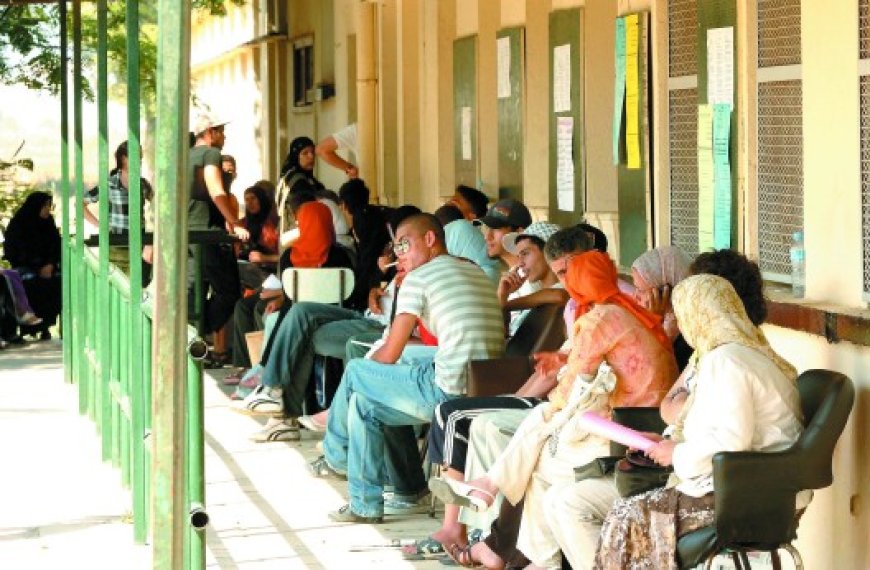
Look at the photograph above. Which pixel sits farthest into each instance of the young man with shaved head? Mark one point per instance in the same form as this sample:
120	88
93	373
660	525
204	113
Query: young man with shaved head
457	303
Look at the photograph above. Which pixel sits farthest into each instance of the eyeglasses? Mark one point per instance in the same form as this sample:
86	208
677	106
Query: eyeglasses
402	246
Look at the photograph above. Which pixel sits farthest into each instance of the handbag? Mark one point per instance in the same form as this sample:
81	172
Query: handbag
636	474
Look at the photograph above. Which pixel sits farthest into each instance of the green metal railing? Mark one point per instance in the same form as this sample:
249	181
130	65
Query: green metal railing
135	362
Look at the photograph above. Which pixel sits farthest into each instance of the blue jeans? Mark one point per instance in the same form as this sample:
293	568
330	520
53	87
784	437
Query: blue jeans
291	359
371	396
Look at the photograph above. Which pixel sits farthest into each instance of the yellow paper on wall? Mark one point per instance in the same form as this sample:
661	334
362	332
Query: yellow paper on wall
632	87
706	178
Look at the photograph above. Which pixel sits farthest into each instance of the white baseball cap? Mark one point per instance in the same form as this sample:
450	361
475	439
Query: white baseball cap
540	230
203	119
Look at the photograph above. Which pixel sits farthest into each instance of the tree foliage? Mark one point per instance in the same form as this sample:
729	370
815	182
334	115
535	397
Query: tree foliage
30	45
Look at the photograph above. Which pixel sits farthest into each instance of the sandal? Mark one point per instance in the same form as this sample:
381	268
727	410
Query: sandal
461	556
423	549
454	492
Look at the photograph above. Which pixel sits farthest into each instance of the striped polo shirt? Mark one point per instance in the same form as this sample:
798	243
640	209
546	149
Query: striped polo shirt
457	303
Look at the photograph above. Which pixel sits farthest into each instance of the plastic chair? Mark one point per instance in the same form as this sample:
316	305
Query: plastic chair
319	285
755	492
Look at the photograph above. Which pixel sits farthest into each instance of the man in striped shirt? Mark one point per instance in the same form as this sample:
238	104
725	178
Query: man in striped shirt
457	303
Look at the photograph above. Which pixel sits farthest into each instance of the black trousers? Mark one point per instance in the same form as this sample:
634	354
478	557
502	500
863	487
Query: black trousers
448	435
220	271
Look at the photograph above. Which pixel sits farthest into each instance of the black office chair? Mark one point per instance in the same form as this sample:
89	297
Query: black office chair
755	492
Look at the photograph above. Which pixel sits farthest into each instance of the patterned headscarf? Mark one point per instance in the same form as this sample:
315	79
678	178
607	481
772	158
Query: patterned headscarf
659	267
711	314
592	279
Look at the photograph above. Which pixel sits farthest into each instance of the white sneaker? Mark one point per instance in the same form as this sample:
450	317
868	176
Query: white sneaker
277	430
263	401
29	319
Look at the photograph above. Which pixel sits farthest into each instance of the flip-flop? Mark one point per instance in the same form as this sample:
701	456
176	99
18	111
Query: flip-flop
453	492
424	547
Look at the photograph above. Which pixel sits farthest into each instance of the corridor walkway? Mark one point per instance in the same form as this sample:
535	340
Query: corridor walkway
60	506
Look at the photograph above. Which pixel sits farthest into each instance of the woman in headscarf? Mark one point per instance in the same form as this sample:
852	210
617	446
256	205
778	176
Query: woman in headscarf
655	274
612	328
742	396
261	249
32	247
297	174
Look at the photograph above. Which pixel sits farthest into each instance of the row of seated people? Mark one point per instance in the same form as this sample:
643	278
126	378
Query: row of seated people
389	391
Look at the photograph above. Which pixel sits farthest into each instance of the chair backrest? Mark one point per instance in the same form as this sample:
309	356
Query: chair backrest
826	401
755	491
542	329
319	285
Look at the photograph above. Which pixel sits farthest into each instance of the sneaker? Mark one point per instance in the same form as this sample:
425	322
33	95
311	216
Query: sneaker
29	319
321	469
277	430
407	505
263	401
345	515
309	423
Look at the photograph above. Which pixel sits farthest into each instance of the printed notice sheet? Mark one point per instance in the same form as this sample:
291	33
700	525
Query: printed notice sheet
565	163
562	78
721	176
720	66
705	178
503	47
466	133
632	87
619	88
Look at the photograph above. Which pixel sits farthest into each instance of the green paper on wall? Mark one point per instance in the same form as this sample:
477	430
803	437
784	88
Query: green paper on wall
721	176
619	89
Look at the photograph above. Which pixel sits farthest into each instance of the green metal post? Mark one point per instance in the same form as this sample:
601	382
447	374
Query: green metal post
65	272
196	463
138	403
170	309
104	344
77	263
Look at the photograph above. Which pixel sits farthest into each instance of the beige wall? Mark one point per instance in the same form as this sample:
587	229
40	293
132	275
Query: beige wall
831	536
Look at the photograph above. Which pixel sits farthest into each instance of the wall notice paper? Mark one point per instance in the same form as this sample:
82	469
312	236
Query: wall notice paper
503	49
632	89
619	88
565	163
721	176
465	131
720	66
705	178
562	78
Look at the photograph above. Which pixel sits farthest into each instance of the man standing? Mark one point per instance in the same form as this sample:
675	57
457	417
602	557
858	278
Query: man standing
210	208
456	302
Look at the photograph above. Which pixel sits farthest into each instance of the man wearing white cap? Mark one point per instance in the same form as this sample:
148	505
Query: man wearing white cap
532	270
210	207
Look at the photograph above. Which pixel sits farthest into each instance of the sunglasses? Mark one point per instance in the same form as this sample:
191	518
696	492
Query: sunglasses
402	246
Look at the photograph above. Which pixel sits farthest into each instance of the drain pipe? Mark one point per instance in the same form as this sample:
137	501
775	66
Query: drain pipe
367	96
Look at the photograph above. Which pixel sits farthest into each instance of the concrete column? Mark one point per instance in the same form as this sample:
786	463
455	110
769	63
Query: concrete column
367	95
388	101
408	55
536	153
489	21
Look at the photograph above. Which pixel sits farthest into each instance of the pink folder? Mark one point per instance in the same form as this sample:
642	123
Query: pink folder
595	424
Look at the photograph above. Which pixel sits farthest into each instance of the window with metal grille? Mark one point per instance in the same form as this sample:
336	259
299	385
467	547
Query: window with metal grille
683	123
303	71
864	72
780	134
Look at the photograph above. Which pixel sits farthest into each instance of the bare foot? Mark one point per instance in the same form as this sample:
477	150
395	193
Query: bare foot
448	536
321	417
480	552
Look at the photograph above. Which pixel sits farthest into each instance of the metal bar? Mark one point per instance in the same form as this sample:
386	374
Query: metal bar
104	348
77	279
196	465
169	360
138	401
65	321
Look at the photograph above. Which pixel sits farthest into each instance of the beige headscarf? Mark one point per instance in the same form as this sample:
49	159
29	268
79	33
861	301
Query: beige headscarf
711	314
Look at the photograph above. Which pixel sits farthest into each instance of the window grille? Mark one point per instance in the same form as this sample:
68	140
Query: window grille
683	37
780	174
864	54
683	107
780	134
683	123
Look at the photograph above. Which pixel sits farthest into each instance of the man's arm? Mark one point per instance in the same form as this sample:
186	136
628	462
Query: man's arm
400	332
546	296
326	150
215	185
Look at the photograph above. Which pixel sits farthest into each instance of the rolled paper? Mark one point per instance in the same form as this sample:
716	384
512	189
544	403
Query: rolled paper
596	425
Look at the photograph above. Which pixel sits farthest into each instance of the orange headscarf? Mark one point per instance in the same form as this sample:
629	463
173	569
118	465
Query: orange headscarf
316	235
592	280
